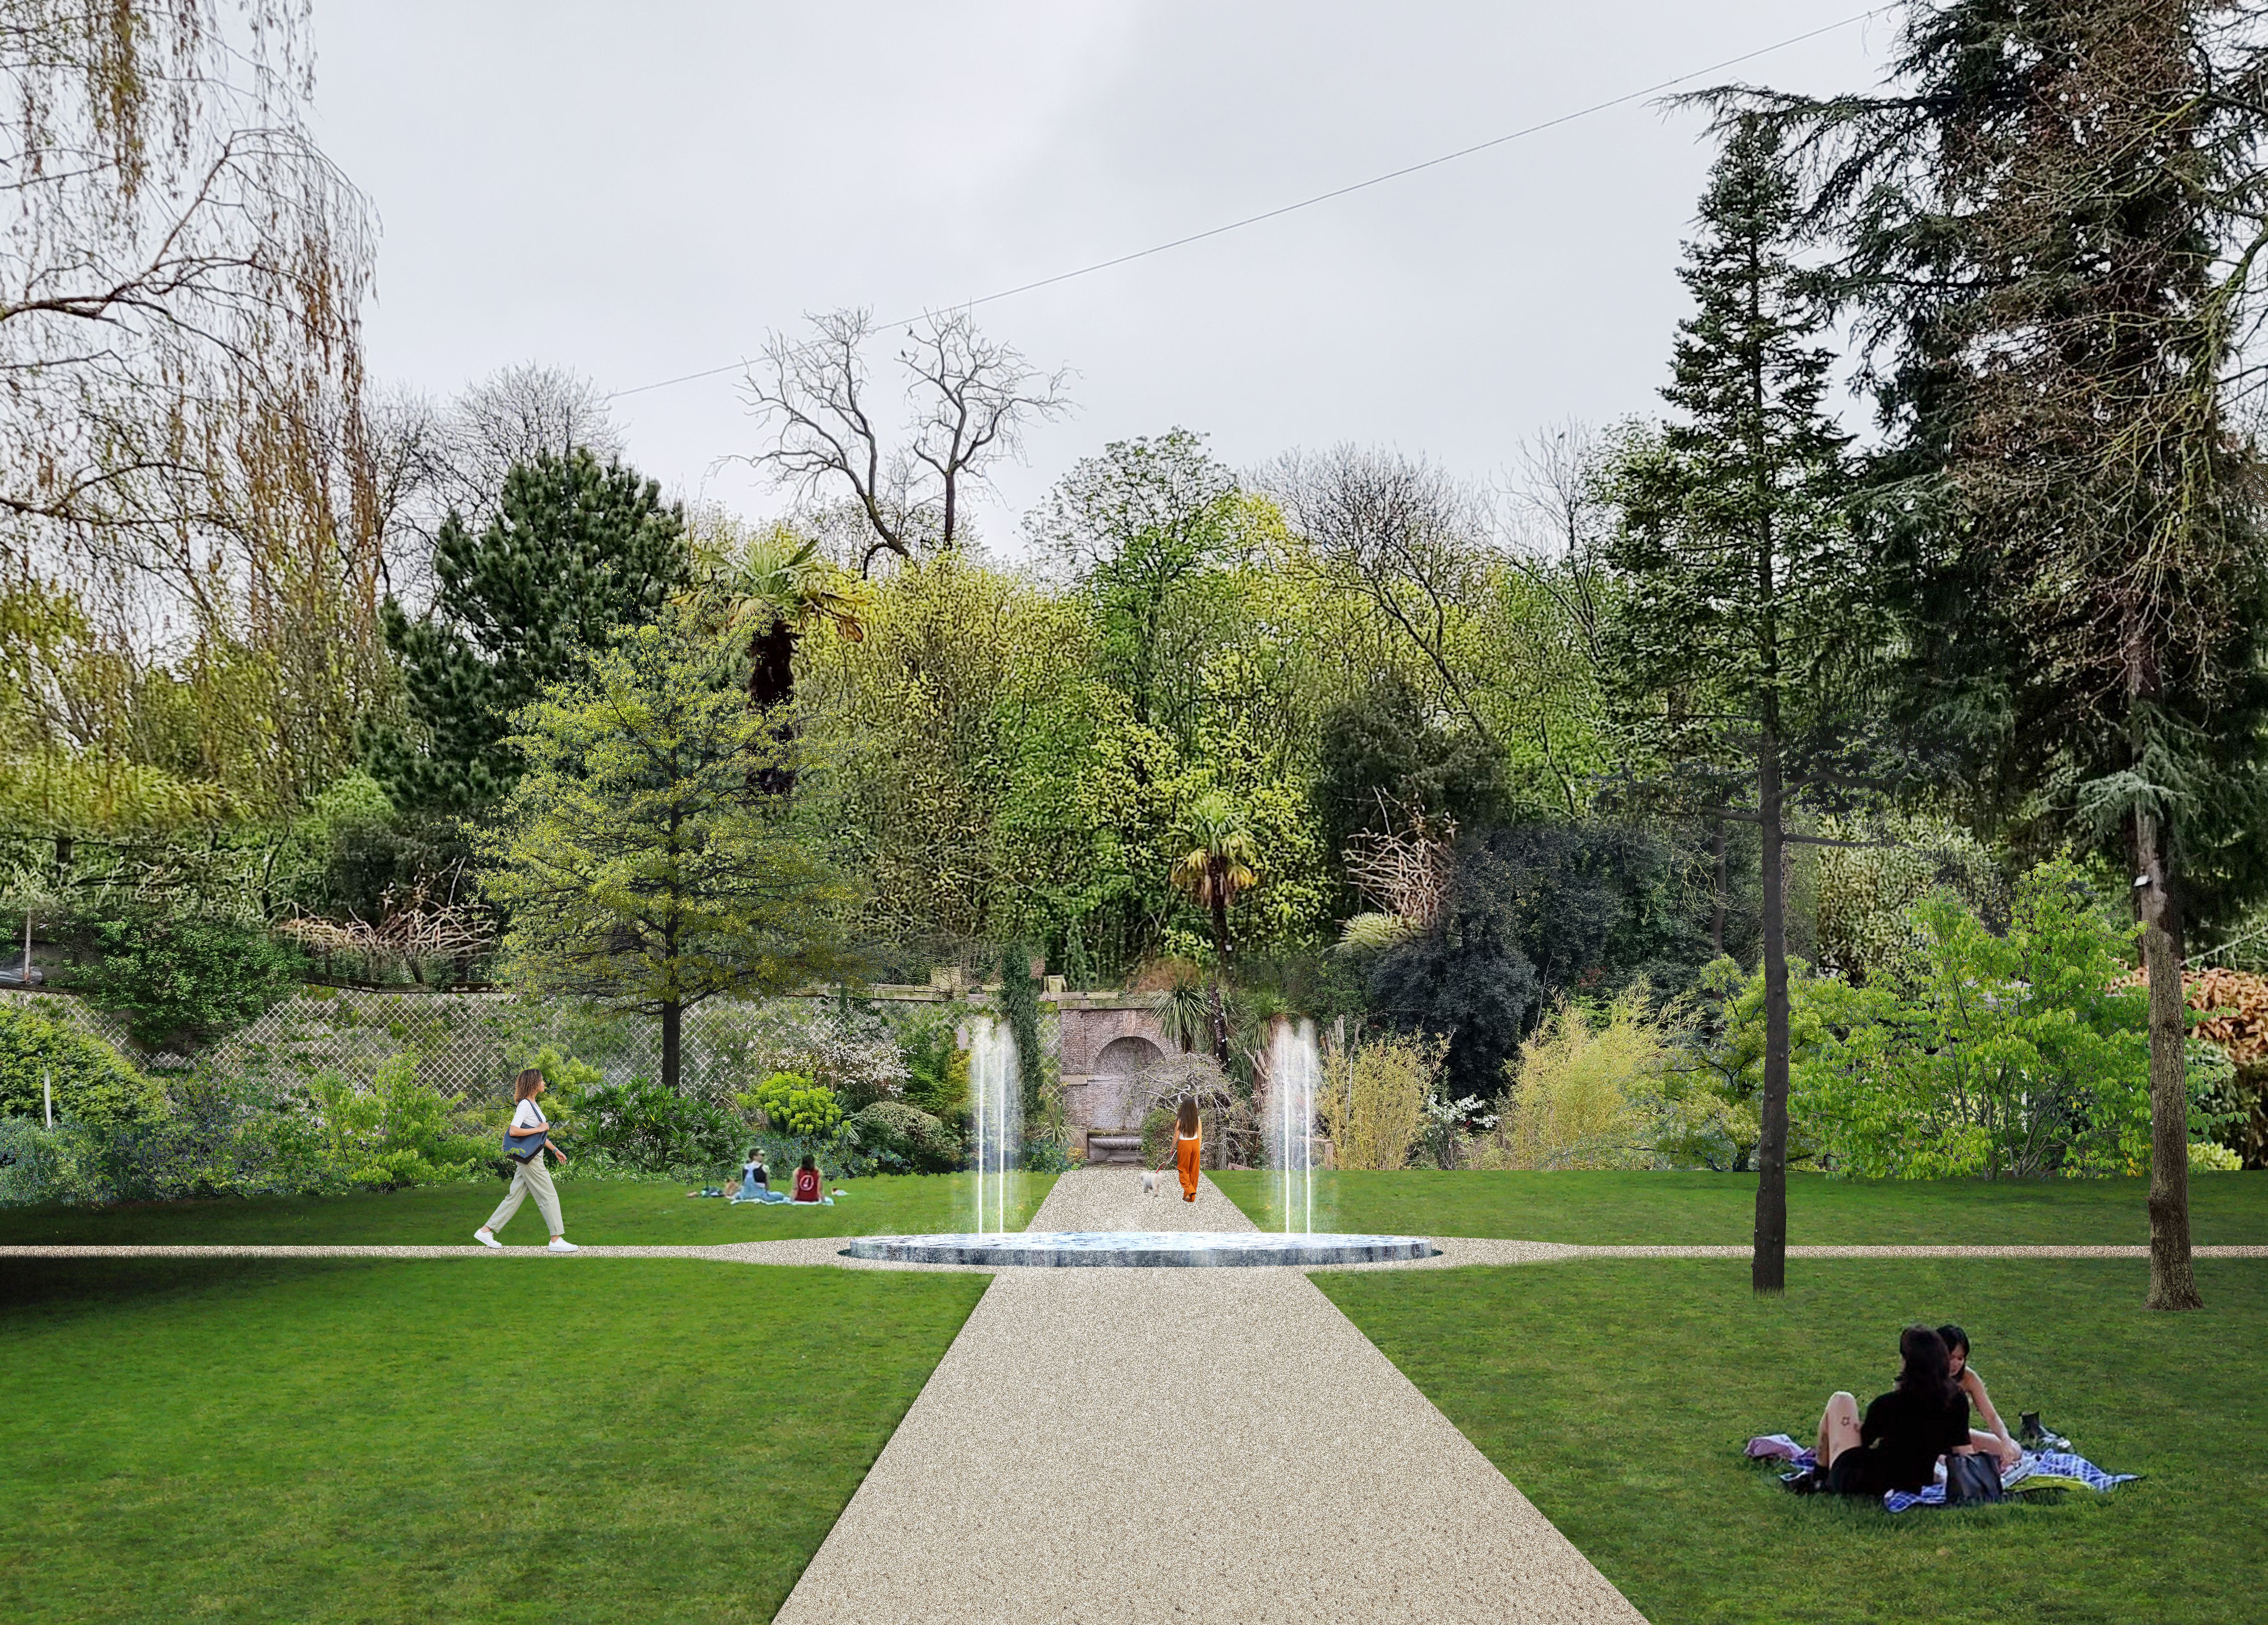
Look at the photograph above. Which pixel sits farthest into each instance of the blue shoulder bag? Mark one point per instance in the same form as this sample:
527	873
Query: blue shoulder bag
522	1146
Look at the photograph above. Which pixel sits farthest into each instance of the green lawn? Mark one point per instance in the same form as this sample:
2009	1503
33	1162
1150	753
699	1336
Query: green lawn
1616	1394
2226	1208
620	1212
336	1441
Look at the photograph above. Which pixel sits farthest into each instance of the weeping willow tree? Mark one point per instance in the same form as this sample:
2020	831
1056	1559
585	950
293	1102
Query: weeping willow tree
189	549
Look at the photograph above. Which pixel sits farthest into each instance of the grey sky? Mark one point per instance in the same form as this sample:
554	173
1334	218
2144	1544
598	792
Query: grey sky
639	192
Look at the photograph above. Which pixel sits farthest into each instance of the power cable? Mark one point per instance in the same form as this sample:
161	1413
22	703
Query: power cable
1324	197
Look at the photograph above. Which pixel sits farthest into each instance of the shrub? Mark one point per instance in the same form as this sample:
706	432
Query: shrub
1999	1054
2206	1158
909	1135
937	1076
91	1086
181	982
792	1104
1373	1099
400	1132
642	1125
1586	1089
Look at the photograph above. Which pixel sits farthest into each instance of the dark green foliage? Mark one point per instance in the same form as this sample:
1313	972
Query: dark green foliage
937	1078
181	981
893	1129
577	549
1020	1007
91	1086
644	1126
1537	912
1385	746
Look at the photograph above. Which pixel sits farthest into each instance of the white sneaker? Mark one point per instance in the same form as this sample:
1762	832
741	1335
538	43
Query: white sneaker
560	1244
487	1238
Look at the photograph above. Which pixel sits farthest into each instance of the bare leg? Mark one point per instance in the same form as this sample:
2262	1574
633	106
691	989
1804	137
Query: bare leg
1838	1427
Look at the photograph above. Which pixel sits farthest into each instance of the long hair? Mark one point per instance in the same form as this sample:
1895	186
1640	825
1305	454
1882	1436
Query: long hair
1927	1371
1955	1340
525	1084
1185	1123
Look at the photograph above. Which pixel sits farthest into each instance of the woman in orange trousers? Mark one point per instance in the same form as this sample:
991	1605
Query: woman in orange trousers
1186	1142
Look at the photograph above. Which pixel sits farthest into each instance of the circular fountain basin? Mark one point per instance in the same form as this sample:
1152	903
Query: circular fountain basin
1142	1249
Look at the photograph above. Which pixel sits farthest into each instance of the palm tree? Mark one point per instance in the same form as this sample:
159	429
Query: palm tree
1223	862
770	586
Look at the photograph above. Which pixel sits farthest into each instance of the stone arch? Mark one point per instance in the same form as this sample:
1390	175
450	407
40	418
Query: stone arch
1127	1057
1113	1093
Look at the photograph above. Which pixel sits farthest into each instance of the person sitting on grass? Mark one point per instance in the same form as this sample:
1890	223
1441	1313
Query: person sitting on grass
756	1180
1896	1446
806	1181
1996	1442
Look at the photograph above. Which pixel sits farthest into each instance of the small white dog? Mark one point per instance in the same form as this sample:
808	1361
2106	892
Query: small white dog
1149	1181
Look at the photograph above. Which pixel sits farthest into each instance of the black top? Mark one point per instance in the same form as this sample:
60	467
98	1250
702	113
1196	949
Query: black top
1904	1435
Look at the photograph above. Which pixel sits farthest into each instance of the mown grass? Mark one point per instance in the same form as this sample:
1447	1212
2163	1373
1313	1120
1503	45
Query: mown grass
598	1440
620	1212
1617	1395
1601	1209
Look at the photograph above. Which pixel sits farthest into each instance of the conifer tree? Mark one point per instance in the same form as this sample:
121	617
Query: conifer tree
2055	219
630	857
577	549
1745	595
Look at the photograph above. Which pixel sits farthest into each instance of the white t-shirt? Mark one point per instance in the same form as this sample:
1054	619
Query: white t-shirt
527	1115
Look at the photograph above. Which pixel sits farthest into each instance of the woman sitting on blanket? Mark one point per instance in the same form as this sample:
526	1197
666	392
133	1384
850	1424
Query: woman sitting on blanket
1996	1442
1897	1445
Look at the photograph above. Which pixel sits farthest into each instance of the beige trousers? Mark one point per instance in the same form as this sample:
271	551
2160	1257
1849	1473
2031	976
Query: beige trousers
529	1178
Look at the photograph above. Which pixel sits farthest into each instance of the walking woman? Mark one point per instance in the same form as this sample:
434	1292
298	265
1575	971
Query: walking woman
525	1143
1186	1144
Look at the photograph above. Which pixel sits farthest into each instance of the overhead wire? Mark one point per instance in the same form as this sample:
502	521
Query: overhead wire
1278	212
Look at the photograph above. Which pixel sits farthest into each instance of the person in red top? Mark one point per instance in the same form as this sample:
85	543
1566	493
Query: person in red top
806	1181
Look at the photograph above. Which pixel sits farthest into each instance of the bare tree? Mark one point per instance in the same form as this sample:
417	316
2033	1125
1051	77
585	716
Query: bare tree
970	397
1554	498
509	417
1403	534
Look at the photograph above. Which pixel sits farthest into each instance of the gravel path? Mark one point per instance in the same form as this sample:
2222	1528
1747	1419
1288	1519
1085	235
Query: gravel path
1153	1445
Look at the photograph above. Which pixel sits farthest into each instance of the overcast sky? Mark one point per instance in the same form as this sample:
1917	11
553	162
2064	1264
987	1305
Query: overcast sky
640	192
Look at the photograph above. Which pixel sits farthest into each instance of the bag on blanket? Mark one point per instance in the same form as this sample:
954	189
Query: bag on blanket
1972	1480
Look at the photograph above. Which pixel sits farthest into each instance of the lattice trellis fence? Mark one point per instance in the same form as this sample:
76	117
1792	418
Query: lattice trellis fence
468	1044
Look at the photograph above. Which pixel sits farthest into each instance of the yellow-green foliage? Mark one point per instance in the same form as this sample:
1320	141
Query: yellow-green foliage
1864	894
1372	1102
792	1104
90	1084
1587	1089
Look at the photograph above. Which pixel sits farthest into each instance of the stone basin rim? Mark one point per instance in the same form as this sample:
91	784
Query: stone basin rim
1142	1249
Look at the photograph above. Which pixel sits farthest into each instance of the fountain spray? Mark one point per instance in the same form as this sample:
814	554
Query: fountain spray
1292	1088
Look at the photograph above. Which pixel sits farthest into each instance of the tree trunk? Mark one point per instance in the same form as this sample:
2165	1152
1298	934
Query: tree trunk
1717	918
1220	973
771	683
2173	1283
1768	1267
673	1039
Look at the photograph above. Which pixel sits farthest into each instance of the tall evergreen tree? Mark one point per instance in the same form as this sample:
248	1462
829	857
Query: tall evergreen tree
577	549
1744	602
631	856
2054	218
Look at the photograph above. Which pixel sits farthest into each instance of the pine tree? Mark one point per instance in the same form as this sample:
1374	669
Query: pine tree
1745	598
576	550
630	857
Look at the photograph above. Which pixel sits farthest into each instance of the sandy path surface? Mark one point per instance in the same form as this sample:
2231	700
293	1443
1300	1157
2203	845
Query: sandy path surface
1152	1444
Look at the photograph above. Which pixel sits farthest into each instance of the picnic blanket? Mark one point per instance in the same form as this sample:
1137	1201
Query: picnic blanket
2054	1469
